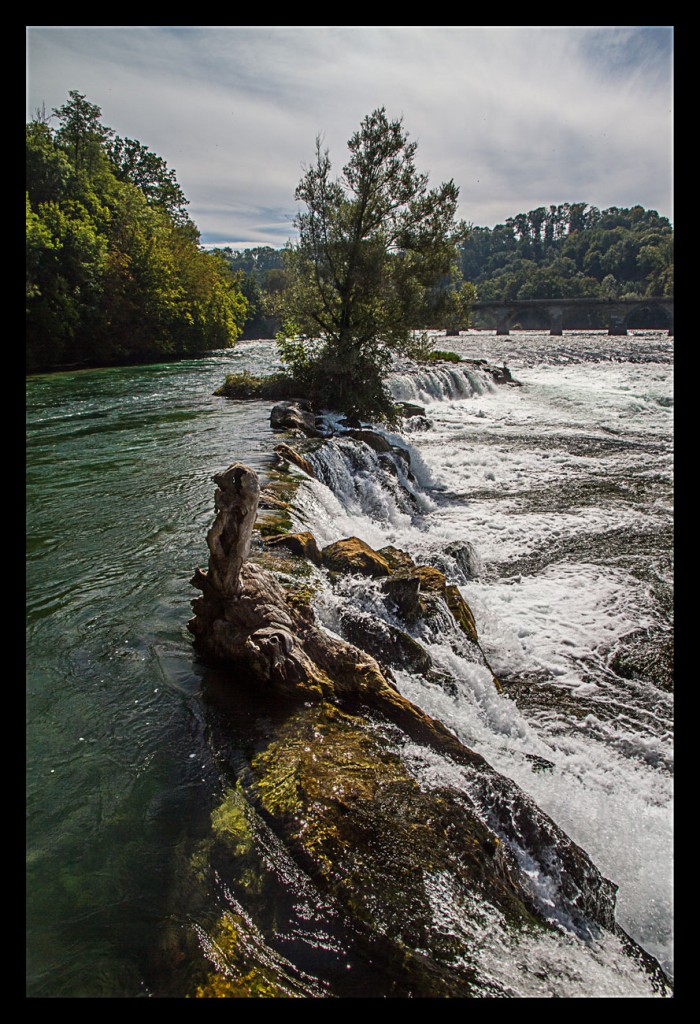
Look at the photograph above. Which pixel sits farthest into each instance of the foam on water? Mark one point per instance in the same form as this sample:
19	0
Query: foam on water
529	964
555	487
560	620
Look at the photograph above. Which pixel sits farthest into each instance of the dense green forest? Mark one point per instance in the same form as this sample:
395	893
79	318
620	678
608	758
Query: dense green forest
115	273
572	251
261	275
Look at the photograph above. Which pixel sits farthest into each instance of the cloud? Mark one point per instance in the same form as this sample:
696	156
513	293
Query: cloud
519	117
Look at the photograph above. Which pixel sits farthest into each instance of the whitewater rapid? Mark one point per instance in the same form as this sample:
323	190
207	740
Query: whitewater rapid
550	505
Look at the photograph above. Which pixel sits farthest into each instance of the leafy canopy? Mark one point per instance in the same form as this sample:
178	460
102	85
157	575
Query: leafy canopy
115	273
376	259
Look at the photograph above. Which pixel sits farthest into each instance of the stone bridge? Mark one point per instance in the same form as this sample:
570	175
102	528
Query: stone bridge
575	314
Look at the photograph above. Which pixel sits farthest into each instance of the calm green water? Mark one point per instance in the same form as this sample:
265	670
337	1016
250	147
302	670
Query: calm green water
119	778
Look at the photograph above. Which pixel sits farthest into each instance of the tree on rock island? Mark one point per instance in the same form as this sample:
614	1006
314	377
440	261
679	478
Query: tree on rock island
376	259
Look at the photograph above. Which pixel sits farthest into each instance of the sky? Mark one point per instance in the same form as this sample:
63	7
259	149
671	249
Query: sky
518	117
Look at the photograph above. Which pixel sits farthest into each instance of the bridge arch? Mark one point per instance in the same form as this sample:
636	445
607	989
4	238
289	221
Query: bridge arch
650	314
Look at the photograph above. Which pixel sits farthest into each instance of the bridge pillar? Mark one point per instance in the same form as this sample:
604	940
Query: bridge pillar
556	319
617	325
502	324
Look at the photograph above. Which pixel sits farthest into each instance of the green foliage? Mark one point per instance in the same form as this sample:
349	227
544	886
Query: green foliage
260	275
439	355
248	385
572	251
114	269
376	259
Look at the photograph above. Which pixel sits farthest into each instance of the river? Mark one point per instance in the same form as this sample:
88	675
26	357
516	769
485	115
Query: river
549	504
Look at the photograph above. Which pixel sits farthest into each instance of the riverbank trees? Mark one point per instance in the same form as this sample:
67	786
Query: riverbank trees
115	273
376	258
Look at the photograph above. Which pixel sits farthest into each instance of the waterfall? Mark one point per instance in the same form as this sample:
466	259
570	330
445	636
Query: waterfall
410	382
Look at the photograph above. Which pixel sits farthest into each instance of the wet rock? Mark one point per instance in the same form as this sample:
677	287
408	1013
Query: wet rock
418	423
416	869
389	645
404	594
289	454
409	410
295	415
431	580
459	559
539	764
352	555
371	438
461	611
409	583
270	501
396	557
372	839
302	544
502	375
422	874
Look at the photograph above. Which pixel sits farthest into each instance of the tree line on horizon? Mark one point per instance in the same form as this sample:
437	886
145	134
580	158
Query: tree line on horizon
572	250
116	273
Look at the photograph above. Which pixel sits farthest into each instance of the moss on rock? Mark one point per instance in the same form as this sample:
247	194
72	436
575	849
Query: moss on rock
376	841
302	544
352	555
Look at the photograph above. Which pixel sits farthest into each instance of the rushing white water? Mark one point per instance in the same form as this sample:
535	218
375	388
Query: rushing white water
550	506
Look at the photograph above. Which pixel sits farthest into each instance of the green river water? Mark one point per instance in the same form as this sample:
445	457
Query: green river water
119	498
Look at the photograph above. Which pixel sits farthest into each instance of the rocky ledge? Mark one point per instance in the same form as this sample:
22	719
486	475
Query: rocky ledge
422	876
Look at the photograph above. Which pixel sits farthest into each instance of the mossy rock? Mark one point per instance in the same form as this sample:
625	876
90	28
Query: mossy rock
396	558
302	544
245	968
352	555
291	455
273	523
378	843
461	611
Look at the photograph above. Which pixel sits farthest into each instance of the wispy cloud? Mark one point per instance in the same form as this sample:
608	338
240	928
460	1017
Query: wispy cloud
519	117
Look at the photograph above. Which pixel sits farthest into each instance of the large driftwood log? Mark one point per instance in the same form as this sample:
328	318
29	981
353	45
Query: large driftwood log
244	620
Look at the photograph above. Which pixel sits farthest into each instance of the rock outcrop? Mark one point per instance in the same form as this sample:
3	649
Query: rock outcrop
289	454
245	619
352	555
295	415
412	870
